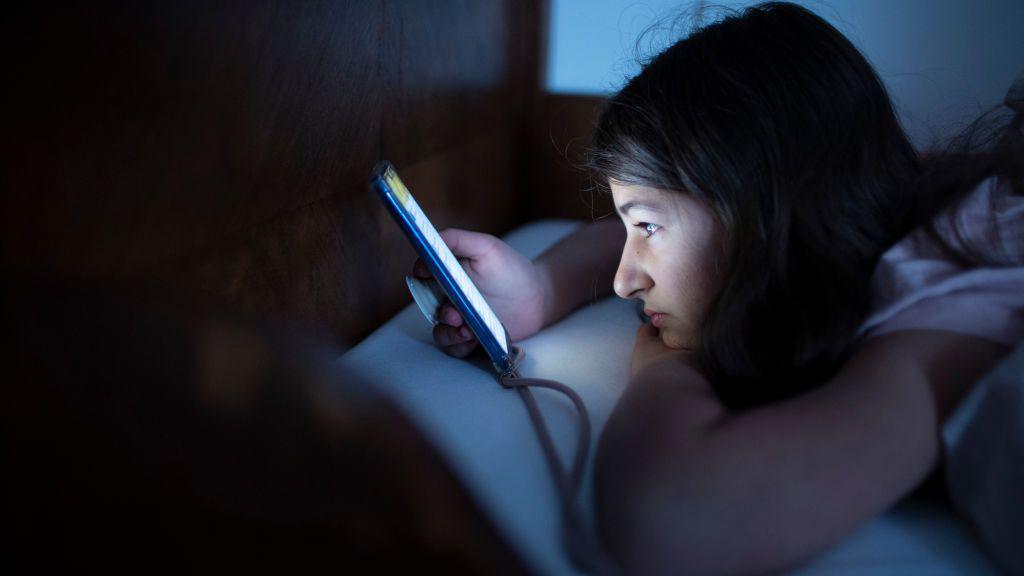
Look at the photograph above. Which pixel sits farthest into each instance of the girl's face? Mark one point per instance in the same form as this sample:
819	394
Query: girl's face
669	260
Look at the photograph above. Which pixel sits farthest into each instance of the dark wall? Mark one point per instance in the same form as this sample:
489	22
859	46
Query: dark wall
562	128
223	148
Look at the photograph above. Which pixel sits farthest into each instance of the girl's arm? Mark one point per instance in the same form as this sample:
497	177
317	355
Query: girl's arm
580	268
683	485
528	295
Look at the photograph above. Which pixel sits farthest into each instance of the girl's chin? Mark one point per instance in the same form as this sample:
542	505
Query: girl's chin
670	339
673	339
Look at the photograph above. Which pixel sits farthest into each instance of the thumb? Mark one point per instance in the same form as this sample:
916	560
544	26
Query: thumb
467	244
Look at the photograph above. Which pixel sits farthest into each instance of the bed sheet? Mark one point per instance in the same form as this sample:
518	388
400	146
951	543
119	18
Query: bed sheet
484	433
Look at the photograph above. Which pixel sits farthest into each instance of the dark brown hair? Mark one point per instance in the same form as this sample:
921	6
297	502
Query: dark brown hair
779	124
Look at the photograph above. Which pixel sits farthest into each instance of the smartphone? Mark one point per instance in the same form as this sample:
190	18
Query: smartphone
445	267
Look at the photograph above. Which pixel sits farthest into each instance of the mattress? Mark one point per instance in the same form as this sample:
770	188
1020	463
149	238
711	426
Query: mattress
484	433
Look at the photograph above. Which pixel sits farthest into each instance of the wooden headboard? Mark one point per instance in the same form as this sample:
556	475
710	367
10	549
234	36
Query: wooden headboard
223	148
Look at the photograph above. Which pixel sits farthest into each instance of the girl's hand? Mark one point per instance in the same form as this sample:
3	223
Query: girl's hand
512	285
650	351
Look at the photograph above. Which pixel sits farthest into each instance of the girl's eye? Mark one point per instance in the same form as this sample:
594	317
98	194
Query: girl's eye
647	229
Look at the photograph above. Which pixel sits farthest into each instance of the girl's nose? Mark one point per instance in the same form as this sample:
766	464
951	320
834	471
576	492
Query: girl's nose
630	279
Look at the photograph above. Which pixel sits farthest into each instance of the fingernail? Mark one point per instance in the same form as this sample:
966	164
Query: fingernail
464	333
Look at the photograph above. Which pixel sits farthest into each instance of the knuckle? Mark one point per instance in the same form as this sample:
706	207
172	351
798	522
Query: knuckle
461	350
442	335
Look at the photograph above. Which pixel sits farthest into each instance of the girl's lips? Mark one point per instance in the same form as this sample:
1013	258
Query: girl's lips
657	318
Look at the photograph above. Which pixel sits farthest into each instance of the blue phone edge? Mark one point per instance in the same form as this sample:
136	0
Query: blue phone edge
501	360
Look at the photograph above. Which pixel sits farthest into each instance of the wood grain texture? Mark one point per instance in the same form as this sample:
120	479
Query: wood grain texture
148	130
224	147
336	266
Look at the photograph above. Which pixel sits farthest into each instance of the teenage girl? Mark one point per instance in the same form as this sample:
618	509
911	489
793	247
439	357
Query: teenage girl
821	296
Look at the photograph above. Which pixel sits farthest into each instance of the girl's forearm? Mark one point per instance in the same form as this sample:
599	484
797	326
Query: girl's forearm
679	490
682	483
580	268
661	415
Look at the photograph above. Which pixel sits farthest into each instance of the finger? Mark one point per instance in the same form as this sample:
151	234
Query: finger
461	350
467	244
449	315
419	269
445	336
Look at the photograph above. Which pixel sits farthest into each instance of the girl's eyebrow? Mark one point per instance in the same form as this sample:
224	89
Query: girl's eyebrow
650	206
